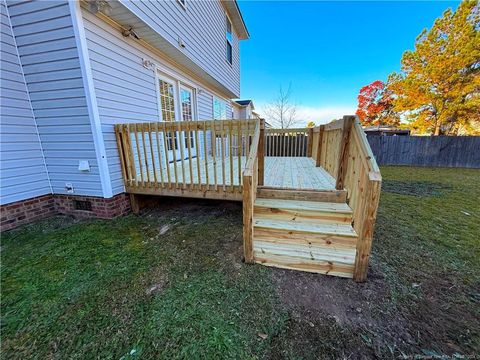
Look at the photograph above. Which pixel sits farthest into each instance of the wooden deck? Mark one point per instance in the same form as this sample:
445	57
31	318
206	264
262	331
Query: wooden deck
309	195
280	172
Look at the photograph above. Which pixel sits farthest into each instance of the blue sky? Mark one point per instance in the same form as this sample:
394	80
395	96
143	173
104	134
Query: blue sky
327	50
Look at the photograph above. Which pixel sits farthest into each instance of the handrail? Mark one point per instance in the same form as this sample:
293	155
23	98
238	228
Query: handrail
253	151
250	184
366	149
363	183
342	149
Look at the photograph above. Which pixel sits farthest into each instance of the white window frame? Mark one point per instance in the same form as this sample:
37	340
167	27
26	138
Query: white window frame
228	41
183	5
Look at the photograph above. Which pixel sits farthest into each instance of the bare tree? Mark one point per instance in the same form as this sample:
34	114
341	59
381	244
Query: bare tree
282	112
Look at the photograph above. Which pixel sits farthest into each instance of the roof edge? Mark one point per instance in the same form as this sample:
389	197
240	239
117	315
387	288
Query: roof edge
233	10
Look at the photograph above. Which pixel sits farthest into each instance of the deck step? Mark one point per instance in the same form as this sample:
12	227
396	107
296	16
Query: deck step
303	227
337	196
303	211
304	235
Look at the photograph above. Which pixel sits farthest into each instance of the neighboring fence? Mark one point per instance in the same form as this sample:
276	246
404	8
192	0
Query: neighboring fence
441	151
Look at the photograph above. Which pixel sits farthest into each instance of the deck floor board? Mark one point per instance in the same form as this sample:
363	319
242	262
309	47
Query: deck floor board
280	172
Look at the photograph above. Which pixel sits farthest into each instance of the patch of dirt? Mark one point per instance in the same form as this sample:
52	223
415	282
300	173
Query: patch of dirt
367	310
347	302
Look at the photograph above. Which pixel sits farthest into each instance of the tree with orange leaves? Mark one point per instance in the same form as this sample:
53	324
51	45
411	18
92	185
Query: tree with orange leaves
438	88
375	105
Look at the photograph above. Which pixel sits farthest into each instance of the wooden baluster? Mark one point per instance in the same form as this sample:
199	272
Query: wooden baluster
153	157
247	141
318	157
174	139
224	139
137	144
230	145
189	151
343	153
214	153
130	156
239	151
261	153
167	160
118	137
130	165
205	151
147	168
197	149
181	143
159	155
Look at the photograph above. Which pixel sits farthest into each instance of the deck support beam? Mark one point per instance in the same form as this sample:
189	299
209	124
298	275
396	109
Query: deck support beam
248	219
134	203
343	158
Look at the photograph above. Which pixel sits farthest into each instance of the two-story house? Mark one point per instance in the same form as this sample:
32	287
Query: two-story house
71	70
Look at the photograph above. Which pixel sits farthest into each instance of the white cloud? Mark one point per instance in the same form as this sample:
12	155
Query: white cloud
319	115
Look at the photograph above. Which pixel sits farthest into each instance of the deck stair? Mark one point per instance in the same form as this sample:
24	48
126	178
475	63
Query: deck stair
304	235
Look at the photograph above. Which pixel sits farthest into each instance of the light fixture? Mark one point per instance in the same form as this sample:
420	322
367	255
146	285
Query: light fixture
95	6
126	32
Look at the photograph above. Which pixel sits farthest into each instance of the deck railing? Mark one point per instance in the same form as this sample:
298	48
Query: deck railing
286	142
224	159
341	148
168	158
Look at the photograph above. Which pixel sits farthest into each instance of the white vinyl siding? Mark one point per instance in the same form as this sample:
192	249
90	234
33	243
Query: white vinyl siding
126	91
49	55
22	169
201	27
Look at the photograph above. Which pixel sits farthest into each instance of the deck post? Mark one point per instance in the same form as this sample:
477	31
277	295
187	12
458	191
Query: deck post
343	155
309	142
365	234
134	204
248	219
261	153
318	160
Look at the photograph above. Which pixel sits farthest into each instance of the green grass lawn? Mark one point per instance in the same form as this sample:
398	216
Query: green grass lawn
170	284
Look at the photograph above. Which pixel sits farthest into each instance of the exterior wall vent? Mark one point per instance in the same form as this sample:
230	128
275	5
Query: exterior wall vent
82	205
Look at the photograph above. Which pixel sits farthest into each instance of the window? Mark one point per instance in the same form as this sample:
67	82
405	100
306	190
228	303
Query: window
183	3
229	39
167	106
186	102
219	109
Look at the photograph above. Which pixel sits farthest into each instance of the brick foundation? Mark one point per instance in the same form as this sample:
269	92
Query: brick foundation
26	211
29	210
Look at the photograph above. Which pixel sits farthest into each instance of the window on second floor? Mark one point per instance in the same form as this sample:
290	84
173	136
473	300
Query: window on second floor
183	3
229	38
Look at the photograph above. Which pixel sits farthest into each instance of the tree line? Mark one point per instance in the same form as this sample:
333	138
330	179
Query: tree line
437	90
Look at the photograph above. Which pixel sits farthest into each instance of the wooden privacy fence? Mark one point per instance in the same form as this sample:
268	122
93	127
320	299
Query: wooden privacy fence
168	158
342	149
442	151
